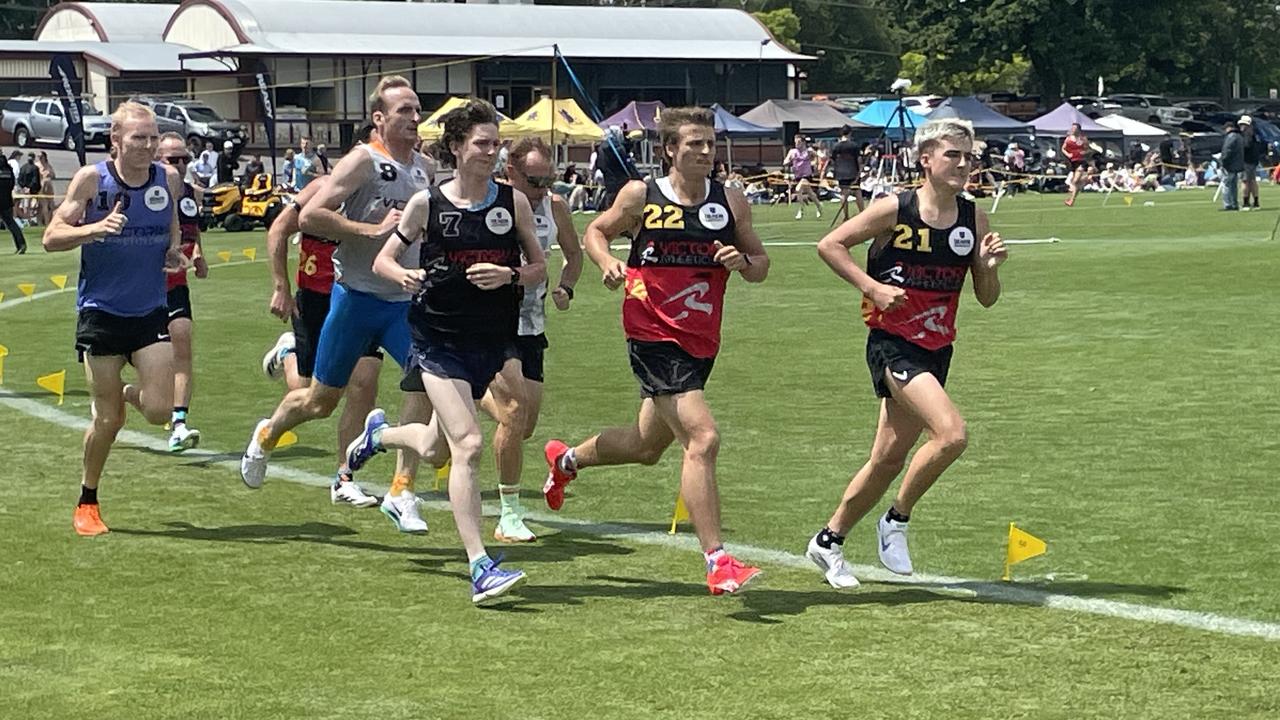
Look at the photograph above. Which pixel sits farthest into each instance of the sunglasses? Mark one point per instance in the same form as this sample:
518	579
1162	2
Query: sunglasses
541	181
176	159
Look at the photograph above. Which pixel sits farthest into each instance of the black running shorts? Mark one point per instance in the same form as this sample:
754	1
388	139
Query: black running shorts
313	308
664	368
101	334
179	302
904	359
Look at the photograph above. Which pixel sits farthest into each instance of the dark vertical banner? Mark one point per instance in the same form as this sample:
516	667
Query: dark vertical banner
268	110
66	86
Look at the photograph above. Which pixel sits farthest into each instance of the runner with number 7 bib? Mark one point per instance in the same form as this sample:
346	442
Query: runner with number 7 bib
923	244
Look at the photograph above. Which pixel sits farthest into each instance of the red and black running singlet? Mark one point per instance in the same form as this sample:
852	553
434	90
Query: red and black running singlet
674	287
189	229
315	264
1074	148
931	264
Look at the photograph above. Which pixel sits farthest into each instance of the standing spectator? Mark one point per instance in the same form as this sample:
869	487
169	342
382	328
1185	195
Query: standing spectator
44	203
228	164
8	182
290	176
209	158
1254	150
29	181
847	160
15	163
1015	158
305	164
612	162
1232	165
322	155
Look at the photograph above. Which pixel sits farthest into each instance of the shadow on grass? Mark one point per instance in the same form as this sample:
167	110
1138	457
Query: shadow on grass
294	451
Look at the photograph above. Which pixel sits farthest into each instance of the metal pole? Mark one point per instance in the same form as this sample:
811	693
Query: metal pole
555	59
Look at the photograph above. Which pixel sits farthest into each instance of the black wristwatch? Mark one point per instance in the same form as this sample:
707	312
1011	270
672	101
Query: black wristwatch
515	276
567	291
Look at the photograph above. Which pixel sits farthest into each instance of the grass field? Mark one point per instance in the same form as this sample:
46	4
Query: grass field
1122	404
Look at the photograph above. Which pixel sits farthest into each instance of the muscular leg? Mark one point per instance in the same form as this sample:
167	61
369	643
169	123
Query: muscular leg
152	395
928	401
896	434
312	402
505	403
107	392
689	418
643	443
180	336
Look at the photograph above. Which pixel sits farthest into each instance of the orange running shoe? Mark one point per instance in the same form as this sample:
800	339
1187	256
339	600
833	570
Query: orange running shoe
553	490
729	576
87	521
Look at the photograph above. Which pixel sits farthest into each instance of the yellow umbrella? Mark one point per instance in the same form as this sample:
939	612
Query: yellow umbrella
430	129
567	120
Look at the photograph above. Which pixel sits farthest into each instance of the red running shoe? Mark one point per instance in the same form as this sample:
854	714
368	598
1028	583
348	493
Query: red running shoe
557	478
729	576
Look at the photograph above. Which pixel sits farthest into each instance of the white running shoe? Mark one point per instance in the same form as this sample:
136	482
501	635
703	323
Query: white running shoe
183	438
349	493
800	214
891	537
402	510
273	361
253	465
819	213
831	563
511	529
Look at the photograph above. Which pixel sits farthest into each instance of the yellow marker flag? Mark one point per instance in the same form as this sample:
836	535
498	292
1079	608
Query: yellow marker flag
251	253
680	515
3	352
1128	200
59	281
225	255
54	383
1022	546
1	297
27	288
442	475
288	438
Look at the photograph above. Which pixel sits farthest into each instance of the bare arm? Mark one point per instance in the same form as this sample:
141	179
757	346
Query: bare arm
321	216
412	225
623	215
567	239
991	255
878	219
285	225
65	231
747	254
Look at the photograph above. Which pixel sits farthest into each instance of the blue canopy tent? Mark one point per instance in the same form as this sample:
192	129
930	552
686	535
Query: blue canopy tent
730	126
884	114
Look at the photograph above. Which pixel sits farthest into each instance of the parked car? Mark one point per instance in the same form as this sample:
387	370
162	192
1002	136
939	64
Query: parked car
1092	106
1150	109
40	119
193	119
1266	110
1204	110
1019	107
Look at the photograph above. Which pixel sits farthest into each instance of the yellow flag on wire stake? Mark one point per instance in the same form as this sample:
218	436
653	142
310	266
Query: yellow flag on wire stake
1	297
225	255
442	476
1128	200
27	289
54	383
680	515
1022	546
251	253
59	281
3	352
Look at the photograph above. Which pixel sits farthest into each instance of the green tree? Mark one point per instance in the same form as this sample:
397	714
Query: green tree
783	23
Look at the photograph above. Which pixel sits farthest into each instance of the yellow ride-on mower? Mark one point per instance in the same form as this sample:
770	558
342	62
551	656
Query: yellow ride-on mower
238	209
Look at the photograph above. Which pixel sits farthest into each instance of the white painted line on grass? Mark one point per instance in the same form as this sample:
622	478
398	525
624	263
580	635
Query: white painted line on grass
994	591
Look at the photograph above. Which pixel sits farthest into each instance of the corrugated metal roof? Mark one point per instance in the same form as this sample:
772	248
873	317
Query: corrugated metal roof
324	27
122	22
123	56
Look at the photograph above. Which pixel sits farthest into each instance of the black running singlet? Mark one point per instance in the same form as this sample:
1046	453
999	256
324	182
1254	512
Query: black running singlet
449	307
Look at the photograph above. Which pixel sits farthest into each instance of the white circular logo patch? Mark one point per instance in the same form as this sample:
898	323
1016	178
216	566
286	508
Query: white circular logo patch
542	227
419	175
156	199
498	220
713	216
187	206
961	240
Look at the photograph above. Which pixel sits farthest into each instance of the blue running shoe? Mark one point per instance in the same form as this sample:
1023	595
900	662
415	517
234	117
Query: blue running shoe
493	581
364	447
